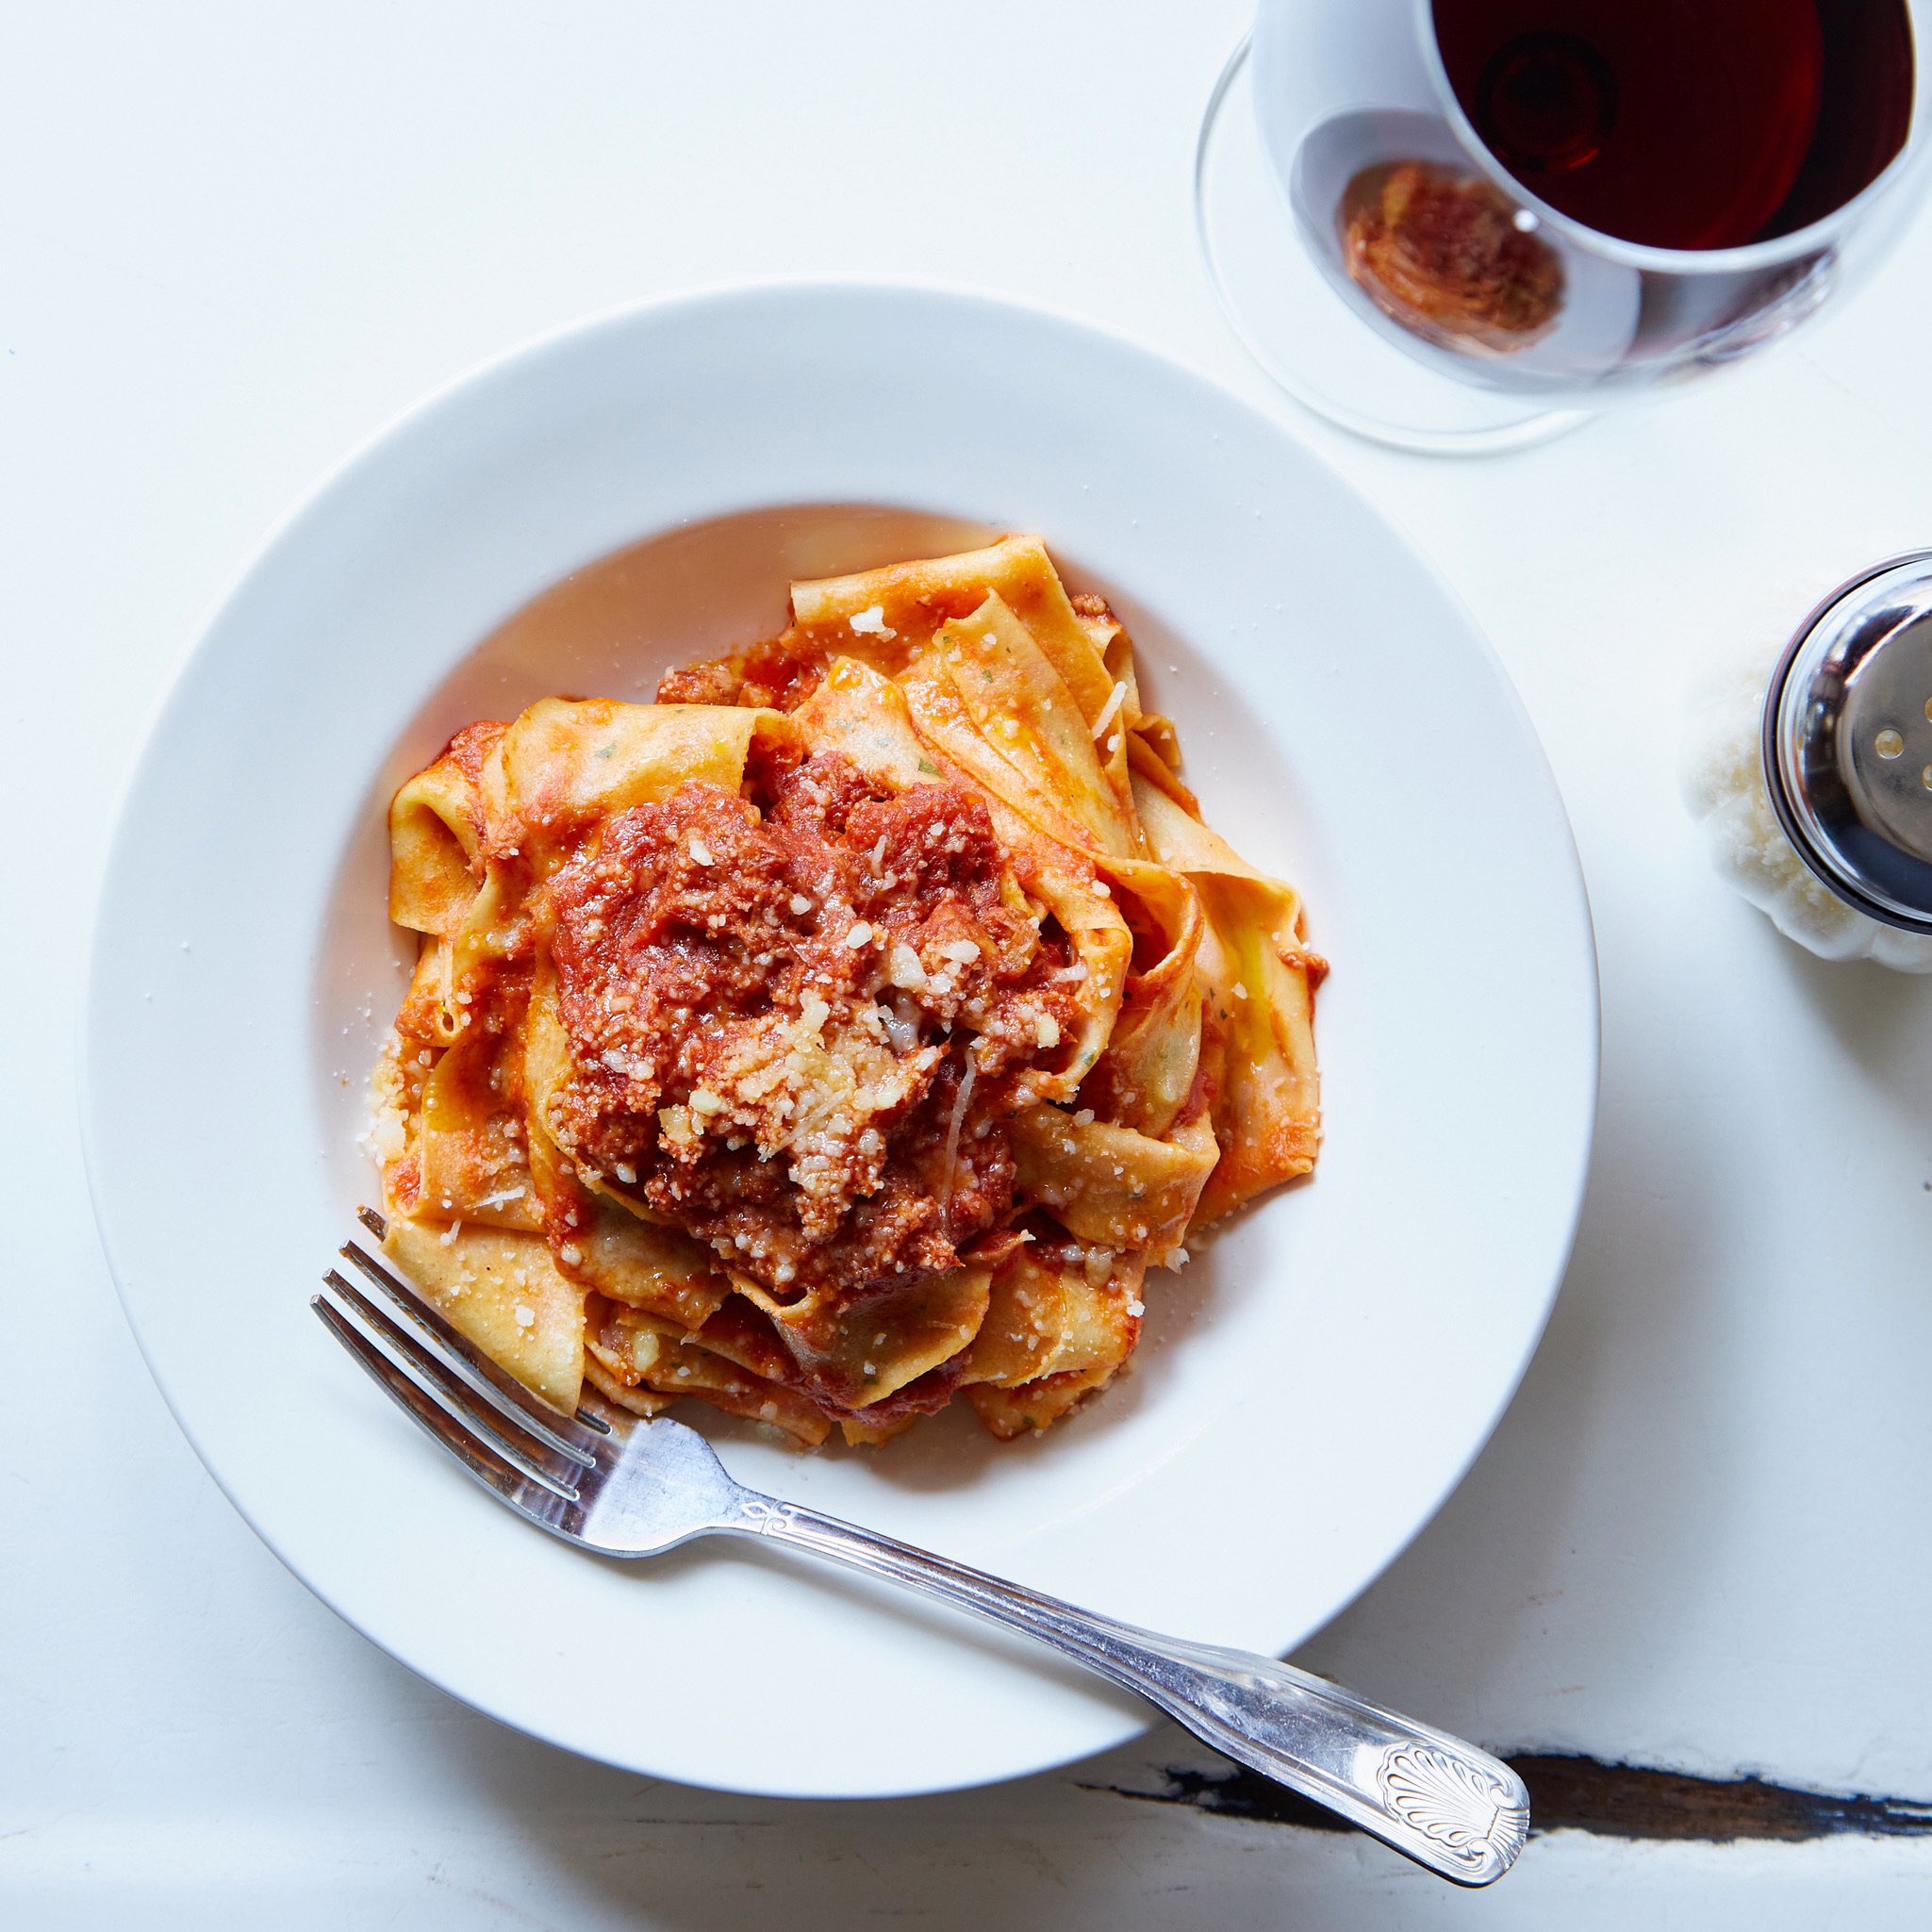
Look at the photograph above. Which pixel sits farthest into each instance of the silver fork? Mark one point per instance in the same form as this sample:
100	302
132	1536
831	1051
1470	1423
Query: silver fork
653	1485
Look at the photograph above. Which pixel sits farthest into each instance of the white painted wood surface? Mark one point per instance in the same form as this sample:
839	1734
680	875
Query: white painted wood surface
234	241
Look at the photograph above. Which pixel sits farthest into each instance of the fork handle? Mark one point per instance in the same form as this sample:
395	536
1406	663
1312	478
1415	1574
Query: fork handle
1439	1801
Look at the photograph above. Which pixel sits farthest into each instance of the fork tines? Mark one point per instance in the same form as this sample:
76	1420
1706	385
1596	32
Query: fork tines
531	1454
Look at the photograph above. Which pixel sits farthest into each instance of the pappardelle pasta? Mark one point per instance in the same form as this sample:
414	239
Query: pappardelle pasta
851	1027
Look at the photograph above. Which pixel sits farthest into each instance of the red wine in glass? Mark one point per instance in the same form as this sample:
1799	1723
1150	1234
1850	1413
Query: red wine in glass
1685	124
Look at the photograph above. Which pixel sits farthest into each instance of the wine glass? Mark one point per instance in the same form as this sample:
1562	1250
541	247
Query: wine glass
1468	224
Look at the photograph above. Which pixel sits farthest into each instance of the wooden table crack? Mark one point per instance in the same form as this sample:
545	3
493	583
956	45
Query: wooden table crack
1582	1794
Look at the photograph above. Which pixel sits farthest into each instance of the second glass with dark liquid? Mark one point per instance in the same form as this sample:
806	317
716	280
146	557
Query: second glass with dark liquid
1685	124
1673	134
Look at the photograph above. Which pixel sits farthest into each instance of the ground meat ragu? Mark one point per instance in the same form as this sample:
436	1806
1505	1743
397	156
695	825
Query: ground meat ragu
770	1015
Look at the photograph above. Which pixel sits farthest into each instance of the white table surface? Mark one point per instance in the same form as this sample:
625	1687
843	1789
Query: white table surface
235	240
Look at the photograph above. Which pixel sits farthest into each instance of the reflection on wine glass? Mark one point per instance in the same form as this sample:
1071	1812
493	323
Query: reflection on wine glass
1443	254
1465	224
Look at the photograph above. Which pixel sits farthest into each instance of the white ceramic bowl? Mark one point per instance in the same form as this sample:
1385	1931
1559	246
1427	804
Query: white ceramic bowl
1310	1388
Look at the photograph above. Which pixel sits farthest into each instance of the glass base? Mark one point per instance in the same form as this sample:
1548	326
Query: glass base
1302	331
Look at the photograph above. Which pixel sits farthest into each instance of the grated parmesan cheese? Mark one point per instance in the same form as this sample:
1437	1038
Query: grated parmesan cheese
904	968
1723	782
959	1110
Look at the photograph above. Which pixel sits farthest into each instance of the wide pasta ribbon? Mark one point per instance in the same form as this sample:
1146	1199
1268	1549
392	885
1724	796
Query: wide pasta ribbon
1258	981
1054	1332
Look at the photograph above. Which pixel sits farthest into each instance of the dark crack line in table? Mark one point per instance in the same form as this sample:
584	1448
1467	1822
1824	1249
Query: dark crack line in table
1574	1793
